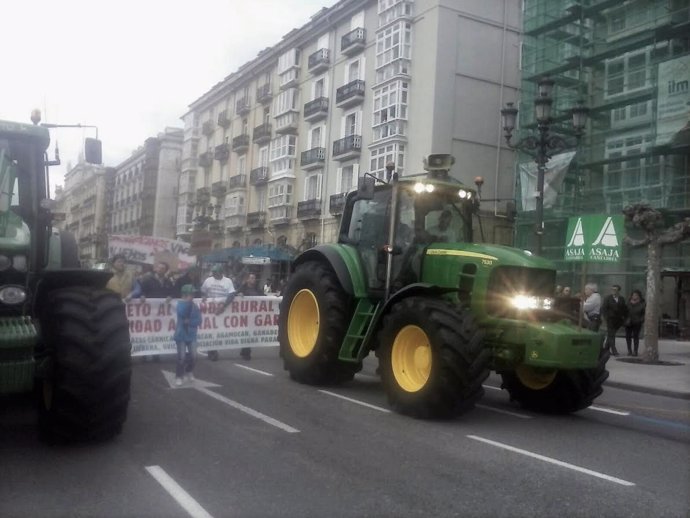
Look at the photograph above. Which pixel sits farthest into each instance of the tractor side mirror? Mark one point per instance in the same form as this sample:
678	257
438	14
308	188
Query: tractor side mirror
93	151
365	188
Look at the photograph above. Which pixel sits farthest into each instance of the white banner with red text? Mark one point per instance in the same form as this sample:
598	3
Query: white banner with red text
246	322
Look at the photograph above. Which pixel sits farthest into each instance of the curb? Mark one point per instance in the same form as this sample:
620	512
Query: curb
648	390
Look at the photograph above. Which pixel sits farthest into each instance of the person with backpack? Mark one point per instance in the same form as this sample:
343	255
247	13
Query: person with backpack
188	322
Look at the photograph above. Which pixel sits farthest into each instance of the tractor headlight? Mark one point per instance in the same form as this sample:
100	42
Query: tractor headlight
19	263
5	262
12	295
421	187
531	302
463	194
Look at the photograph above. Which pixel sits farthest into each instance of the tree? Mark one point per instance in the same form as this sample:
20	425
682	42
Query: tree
651	222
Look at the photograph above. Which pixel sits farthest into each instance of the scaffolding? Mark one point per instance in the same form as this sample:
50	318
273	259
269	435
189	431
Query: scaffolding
616	57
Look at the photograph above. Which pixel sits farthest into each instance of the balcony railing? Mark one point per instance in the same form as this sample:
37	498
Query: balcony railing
347	147
264	93
336	203
258	175
207	128
242	106
314	157
353	42
256	219
238	181
240	143
218	189
206	159
318	61
222	152
316	110
262	133
224	119
350	94
309	209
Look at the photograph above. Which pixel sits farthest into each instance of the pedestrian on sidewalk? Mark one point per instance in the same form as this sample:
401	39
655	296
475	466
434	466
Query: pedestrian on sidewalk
188	322
591	306
634	321
615	311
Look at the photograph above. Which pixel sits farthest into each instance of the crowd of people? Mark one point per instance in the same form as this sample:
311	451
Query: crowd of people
159	282
613	309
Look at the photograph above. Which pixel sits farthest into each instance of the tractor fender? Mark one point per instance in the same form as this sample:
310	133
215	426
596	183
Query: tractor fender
411	290
344	262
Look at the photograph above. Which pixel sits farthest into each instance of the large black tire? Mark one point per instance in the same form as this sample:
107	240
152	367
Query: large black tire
431	359
561	392
85	392
314	316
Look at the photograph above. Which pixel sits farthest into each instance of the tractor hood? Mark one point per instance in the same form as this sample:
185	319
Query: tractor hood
494	255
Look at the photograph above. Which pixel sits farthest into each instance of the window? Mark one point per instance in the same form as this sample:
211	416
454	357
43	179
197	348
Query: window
393	50
263	156
279	194
245	127
319	88
285	102
346	178
234	205
322	42
390	10
352	124
353	71
282	155
312	187
627	74
267	115
288	60
380	156
315	137
390	110
242	165
260	199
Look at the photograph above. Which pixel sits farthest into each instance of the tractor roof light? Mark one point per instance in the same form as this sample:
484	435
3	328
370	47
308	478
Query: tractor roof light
463	194
419	187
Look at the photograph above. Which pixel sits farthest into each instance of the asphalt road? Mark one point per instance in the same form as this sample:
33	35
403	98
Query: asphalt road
258	444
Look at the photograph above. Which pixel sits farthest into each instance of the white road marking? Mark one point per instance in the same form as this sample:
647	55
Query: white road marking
367	376
506	412
180	495
553	461
608	410
385	410
253	370
247	410
491	387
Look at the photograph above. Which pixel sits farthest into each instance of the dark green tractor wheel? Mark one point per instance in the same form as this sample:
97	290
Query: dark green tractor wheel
314	316
84	391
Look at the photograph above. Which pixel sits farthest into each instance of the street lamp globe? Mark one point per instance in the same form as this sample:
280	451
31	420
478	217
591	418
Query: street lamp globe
542	109
545	87
580	113
509	116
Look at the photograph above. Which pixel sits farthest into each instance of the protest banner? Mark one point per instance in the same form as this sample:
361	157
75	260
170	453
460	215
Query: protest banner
149	249
246	322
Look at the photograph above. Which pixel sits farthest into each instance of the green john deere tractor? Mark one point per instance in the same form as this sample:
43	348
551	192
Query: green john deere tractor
62	335
406	281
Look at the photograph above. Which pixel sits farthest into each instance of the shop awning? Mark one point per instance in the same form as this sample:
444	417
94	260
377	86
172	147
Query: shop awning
274	253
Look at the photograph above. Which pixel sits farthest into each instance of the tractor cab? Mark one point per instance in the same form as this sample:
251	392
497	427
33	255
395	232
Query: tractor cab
399	220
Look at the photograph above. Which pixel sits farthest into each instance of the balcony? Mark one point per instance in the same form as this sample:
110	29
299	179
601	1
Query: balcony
348	147
336	204
219	189
256	219
240	143
313	158
353	42
222	152
207	128
262	133
224	119
242	106
281	215
287	123
316	110
310	209
258	176
350	94
203	196
289	79
236	222
206	159
264	93
318	61
239	181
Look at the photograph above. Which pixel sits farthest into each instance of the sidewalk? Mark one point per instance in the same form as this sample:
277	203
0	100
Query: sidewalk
663	380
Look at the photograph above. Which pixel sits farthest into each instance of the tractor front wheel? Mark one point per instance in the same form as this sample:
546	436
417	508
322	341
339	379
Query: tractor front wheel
314	316
431	359
85	388
556	391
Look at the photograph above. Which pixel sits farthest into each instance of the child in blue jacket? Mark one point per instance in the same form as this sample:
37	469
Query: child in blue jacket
188	321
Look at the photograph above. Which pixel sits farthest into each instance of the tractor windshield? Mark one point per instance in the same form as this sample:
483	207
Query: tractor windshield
9	195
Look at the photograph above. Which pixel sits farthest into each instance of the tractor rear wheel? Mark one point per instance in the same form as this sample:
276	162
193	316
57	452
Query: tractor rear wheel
556	391
314	316
431	359
84	392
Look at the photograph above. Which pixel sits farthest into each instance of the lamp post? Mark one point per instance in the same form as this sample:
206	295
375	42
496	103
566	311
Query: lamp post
544	145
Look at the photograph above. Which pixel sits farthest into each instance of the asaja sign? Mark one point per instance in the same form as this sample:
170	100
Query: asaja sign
594	238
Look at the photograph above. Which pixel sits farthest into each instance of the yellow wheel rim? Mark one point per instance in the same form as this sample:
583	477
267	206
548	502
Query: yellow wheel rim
411	358
303	323
534	378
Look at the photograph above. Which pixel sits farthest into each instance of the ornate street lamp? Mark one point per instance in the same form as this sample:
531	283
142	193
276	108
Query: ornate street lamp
544	145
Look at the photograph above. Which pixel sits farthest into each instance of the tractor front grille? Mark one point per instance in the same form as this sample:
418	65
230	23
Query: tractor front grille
508	281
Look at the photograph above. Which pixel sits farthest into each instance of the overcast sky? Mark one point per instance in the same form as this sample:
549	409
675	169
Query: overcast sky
129	67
